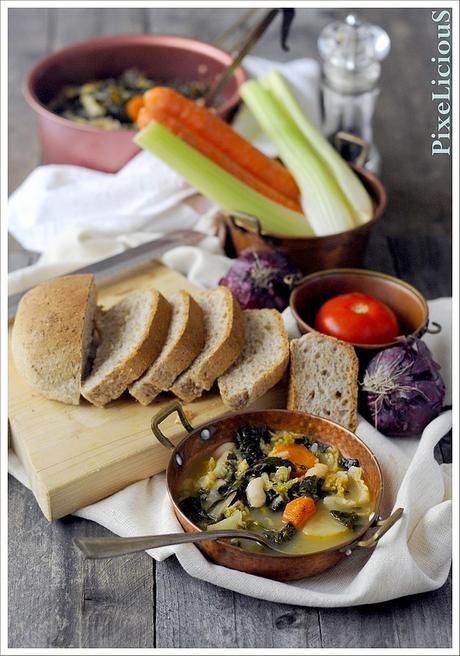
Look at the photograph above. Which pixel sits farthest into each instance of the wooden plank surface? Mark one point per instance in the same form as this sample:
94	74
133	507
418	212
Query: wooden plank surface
58	599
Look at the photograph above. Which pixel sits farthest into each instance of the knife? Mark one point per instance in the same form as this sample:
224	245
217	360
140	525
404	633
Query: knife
151	250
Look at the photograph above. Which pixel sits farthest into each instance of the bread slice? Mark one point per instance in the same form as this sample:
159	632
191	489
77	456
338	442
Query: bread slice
132	334
262	362
223	320
52	335
323	378
185	340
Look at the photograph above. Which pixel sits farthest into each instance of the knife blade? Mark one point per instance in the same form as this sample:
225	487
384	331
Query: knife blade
151	250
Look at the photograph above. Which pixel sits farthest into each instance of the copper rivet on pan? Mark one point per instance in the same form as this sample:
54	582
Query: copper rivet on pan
205	434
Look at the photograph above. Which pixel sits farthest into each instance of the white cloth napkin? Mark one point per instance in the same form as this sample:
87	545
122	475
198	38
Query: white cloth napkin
75	216
414	556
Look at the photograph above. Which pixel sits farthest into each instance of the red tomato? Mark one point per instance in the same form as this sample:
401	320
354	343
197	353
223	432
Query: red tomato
358	318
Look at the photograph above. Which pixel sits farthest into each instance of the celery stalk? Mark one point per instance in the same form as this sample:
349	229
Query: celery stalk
222	187
324	203
350	184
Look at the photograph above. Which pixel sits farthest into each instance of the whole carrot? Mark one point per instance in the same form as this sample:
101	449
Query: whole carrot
221	135
133	107
214	154
144	117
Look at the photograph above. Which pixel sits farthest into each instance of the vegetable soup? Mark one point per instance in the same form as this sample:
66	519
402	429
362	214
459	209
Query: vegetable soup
300	493
115	102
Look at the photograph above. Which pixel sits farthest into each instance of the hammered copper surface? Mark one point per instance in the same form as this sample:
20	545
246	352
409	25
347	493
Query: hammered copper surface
161	56
345	249
407	303
275	566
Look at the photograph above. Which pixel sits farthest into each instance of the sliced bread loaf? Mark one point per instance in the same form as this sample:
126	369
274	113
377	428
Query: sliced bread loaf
185	340
52	335
132	334
323	378
224	328
261	363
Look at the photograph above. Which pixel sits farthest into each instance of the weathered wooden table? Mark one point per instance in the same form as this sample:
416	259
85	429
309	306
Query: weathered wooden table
56	599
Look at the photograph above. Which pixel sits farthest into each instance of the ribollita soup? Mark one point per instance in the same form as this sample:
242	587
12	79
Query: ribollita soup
300	493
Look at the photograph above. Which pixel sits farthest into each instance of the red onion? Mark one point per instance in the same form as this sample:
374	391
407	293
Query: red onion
261	280
404	388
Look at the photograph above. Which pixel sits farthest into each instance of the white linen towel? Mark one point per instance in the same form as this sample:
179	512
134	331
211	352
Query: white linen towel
74	216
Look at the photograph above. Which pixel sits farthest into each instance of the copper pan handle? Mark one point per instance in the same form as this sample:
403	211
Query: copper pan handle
240	220
157	419
383	526
347	138
433	327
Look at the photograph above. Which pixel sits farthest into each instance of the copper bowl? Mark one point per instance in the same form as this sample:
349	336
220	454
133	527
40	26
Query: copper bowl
407	303
202	441
161	56
310	253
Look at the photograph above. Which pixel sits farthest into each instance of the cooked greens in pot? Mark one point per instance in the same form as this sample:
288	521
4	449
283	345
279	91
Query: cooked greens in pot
115	101
296	491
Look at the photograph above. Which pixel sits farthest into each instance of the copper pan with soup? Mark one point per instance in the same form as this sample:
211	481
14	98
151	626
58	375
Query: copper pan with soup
311	485
164	58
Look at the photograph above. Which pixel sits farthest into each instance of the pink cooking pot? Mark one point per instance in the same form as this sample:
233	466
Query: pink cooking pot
159	56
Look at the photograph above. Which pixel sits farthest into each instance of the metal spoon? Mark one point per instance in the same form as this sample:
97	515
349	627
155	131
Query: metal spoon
111	547
246	45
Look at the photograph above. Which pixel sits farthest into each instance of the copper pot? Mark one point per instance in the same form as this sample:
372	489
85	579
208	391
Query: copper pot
202	441
344	249
406	301
160	56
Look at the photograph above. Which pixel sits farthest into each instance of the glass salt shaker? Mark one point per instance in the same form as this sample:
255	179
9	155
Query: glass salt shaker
352	51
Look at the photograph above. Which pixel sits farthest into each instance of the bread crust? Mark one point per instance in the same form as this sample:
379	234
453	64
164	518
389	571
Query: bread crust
114	383
268	378
294	400
189	387
48	336
187	344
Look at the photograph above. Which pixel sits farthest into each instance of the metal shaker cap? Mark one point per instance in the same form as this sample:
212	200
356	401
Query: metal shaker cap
352	50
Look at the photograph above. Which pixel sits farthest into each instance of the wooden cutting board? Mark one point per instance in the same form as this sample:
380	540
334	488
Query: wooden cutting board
76	455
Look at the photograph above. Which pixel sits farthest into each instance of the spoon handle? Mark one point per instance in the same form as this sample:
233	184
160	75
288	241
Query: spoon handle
111	547
247	45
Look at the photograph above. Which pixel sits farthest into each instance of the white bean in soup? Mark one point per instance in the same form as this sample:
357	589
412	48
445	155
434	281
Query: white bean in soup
298	492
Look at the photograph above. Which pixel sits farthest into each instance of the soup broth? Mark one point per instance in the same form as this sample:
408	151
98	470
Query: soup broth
301	494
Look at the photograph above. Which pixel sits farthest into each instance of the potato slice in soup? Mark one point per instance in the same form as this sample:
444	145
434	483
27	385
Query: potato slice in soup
323	525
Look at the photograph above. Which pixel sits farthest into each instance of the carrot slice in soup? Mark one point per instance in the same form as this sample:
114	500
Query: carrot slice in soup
298	511
296	453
